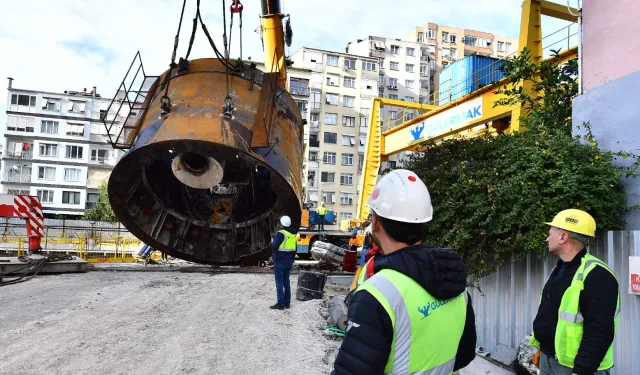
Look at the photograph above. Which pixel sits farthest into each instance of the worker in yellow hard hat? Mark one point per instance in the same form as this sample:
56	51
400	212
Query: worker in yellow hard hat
580	304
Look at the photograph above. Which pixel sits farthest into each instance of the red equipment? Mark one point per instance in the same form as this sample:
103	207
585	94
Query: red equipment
28	208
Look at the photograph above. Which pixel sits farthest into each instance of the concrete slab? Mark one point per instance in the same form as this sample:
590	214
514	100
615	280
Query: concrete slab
481	366
10	265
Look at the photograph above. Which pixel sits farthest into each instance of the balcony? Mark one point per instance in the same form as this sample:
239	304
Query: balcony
377	53
24	155
424	58
314	126
313	165
16	177
100	161
89	205
314	143
314	107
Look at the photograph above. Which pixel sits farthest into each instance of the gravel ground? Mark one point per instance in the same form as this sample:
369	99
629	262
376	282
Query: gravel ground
156	323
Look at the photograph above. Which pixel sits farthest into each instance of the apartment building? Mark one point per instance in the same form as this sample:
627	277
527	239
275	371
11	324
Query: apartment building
55	147
441	45
341	90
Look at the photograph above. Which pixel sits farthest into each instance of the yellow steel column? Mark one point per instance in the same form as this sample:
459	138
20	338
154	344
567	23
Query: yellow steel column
371	161
273	36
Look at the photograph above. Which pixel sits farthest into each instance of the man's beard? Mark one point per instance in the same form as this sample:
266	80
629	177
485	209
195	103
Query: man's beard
375	241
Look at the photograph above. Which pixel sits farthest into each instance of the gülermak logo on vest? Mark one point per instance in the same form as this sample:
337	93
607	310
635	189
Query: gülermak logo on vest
430	307
447	120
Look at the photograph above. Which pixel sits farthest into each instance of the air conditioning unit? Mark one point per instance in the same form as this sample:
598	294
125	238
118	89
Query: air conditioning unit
392	87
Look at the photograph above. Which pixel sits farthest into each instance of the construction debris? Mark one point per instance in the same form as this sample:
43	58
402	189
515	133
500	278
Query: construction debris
337	312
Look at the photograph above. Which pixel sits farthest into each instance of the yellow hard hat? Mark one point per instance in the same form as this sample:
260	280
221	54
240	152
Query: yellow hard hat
576	221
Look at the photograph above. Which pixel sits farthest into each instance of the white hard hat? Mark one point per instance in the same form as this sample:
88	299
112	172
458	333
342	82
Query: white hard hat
401	195
368	229
285	221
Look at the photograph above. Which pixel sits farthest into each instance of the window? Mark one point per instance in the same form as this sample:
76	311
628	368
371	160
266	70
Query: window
49	104
299	86
444	64
71	197
424	70
370	85
432	49
302	105
484	43
420	37
99	155
422	99
445	37
364	121
409	99
470	40
432	64
313	155
393	96
368	65
409	83
313	140
77	107
349	63
27	100
360	162
329	158
395	50
393	164
313	196
346	198
46	196
331	138
348	140
350	82
453	38
72	174
49	127
431	34
328	177
20	124
103	114
346	179
333	80
76	130
507	47
329	196
331	118
500	46
332	99
345	216
347	159
411	51
92	199
46	173
74	152
348	121
393	115
393	82
332	60
409	68
48	149
394	66
348	101
316	98
408	116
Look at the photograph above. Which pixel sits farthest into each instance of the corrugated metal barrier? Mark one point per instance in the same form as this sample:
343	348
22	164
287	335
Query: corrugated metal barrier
507	301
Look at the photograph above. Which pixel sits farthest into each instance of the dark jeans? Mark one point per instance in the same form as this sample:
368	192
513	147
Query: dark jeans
321	222
549	366
282	270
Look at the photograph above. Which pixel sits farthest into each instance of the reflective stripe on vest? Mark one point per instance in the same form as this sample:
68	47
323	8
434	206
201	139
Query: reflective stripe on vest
570	328
289	242
363	274
426	331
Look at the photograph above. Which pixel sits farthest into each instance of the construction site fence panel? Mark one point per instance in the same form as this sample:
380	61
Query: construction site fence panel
506	301
66	228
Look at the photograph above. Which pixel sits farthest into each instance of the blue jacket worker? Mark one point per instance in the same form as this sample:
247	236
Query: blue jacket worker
284	253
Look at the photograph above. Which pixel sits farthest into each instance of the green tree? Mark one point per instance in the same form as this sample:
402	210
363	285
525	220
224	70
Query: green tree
492	194
101	210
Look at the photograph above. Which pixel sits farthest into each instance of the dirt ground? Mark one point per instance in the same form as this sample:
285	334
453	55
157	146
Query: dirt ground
156	323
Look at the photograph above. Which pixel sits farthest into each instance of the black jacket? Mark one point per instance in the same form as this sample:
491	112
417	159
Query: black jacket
598	303
365	350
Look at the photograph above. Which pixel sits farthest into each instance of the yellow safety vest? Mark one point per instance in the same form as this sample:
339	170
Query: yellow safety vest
321	210
289	243
363	274
570	326
426	330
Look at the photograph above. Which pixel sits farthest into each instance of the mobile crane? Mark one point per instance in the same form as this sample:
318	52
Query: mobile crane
213	150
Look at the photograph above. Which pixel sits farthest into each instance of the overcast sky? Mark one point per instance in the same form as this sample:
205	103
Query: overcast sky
57	45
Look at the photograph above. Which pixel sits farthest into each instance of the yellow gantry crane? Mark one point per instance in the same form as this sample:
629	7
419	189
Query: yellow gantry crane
460	116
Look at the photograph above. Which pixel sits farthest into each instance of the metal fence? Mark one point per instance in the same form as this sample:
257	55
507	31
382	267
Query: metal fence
507	301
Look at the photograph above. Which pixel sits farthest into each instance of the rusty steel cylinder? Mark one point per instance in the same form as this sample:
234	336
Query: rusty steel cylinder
208	176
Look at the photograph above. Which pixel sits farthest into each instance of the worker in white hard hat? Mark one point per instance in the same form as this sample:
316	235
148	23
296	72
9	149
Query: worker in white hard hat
322	211
284	253
413	316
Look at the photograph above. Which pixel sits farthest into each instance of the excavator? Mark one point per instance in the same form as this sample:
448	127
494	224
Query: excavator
213	149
